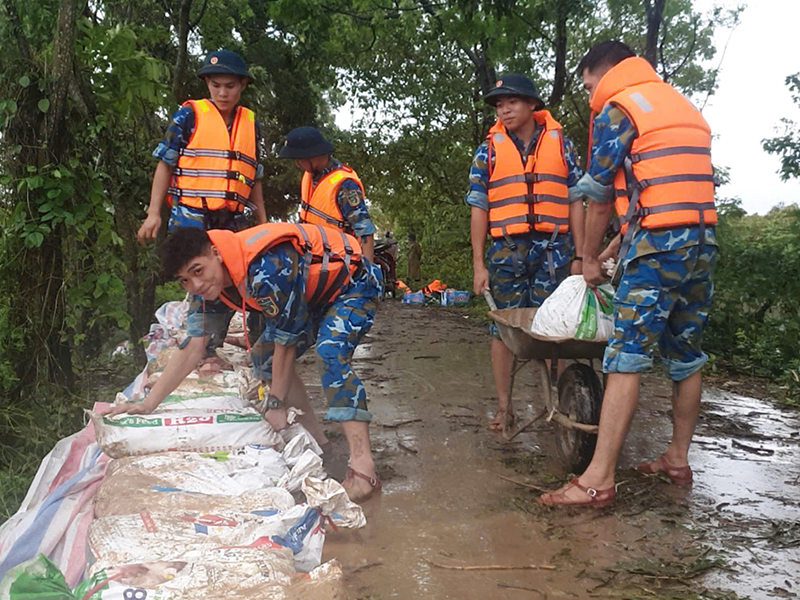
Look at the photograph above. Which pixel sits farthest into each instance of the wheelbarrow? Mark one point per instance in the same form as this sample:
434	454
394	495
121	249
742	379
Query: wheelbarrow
572	405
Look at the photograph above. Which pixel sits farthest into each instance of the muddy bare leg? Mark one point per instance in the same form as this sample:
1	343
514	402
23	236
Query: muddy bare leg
502	361
619	405
298	397
685	409
357	434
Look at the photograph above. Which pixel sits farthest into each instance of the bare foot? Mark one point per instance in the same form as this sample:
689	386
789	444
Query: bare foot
503	420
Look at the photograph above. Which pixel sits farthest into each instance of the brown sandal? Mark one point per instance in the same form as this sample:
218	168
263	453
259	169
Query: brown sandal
374	482
678	475
596	498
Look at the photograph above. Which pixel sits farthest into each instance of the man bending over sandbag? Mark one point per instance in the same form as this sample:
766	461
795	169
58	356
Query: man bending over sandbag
312	286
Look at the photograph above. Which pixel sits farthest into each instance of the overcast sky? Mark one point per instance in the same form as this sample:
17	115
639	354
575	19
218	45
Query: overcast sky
752	98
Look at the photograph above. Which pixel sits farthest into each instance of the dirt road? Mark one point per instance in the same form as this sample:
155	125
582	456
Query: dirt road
735	531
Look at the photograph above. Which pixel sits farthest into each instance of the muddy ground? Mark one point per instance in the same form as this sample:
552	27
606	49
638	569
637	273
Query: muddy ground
734	534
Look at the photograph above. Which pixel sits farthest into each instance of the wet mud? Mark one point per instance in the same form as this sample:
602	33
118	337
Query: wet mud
448	502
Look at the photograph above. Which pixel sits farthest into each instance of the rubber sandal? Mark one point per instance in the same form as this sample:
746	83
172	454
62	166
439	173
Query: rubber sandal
678	475
596	498
375	484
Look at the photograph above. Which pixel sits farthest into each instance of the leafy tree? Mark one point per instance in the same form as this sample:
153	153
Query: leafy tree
787	145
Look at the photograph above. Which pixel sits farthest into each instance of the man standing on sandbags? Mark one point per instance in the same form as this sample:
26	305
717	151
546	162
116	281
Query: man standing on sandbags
651	159
522	193
313	286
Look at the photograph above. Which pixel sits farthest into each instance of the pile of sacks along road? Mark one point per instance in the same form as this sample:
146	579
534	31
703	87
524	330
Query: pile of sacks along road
200	500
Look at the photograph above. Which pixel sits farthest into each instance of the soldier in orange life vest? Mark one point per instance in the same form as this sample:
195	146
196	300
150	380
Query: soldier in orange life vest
522	193
331	194
313	287
209	167
651	156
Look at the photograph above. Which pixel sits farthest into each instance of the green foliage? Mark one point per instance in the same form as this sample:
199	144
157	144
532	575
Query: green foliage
787	145
755	321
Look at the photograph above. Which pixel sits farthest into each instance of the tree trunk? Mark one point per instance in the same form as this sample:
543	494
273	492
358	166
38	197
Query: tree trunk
560	78
179	80
654	10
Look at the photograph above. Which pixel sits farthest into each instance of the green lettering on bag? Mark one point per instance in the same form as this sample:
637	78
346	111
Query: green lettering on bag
238	418
133	422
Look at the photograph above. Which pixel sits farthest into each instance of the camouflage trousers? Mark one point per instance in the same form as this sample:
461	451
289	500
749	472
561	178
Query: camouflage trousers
336	332
185	216
519	276
662	303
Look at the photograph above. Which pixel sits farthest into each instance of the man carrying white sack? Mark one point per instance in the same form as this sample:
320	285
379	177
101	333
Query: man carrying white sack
313	286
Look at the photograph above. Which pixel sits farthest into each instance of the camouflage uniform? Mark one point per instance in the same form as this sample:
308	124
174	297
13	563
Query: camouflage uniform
519	278
168	150
350	201
664	294
276	280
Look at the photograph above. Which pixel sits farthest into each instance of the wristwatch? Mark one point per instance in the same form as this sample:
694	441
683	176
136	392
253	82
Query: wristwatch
273	402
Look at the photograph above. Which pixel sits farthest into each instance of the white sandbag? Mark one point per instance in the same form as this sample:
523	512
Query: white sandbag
149	537
574	310
226	473
306	465
126	493
199	430
330	498
204	573
219	574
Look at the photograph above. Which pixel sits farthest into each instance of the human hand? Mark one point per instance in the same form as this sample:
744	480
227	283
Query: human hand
131	408
592	272
576	267
149	229
480	279
277	418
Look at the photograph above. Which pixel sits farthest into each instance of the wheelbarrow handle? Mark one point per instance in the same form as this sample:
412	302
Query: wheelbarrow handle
489	300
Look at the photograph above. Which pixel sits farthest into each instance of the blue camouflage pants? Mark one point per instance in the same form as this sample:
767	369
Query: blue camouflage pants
336	333
519	277
662	303
181	215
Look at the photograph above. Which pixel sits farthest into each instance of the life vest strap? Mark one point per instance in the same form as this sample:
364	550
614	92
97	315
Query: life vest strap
328	218
639	156
219	173
308	255
530	219
225	194
646	183
528	177
229	154
348	253
322	280
529	199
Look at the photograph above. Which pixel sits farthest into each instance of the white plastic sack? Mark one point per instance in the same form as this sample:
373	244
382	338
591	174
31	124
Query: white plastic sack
152	537
574	310
200	430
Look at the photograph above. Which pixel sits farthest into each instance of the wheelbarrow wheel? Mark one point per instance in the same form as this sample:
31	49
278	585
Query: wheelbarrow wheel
579	397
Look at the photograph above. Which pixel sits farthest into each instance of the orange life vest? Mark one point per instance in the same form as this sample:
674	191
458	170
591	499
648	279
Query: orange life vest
217	168
668	175
331	258
318	204
533	195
